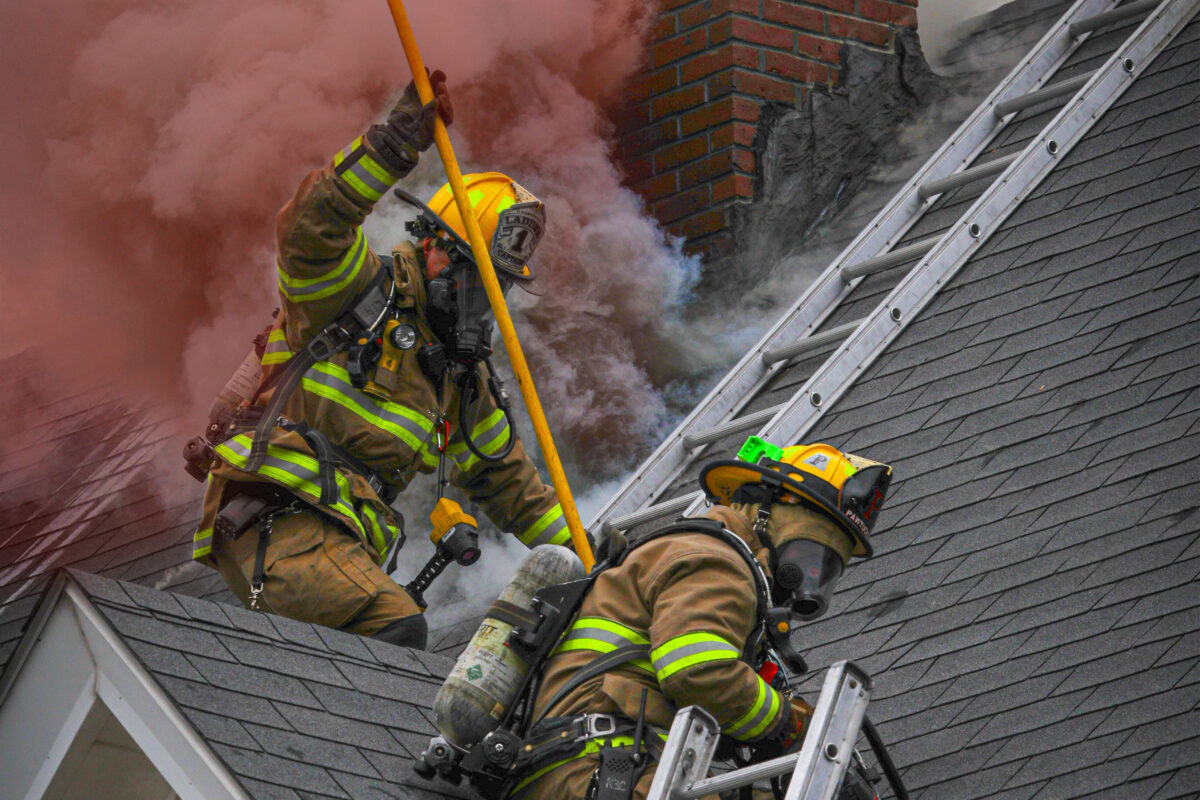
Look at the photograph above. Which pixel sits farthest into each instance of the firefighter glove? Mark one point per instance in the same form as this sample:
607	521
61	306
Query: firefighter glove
409	128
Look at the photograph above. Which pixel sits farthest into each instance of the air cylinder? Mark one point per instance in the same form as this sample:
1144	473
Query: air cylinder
487	676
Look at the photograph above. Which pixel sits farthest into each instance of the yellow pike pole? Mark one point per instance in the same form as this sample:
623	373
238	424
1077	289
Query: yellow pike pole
484	260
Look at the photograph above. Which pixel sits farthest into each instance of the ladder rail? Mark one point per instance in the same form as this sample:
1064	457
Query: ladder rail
821	298
817	768
982	220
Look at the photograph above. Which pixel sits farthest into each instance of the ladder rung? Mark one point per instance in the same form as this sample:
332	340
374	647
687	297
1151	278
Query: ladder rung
788	351
1041	95
928	190
888	260
1100	20
717	432
647	514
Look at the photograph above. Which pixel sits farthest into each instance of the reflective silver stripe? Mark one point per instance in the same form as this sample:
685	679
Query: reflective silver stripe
765	708
296	476
605	631
276	351
715	652
324	380
487	440
360	170
304	289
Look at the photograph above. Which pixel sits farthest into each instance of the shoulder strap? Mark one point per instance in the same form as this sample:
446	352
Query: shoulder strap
598	666
366	311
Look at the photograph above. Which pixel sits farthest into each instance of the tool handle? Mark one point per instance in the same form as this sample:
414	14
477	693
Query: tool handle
434	567
487	272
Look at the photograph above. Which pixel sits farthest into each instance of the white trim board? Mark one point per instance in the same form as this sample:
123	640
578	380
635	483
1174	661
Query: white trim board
76	671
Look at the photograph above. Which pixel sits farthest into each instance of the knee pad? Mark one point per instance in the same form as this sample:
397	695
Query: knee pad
406	632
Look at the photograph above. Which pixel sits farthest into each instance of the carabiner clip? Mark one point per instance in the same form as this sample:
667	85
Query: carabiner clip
442	434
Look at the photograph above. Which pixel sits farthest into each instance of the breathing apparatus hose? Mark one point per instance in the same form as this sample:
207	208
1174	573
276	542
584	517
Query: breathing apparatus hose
468	391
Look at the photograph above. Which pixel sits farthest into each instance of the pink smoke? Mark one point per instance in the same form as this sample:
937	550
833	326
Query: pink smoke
149	145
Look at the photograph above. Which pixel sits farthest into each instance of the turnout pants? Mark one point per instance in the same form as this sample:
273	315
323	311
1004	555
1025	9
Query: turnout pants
315	572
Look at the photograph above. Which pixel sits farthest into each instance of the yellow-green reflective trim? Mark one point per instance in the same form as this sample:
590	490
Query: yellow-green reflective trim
355	183
688	650
372	411
310	465
530	537
377	533
275	358
766	697
623	631
277	335
306	289
463	458
201	550
376	169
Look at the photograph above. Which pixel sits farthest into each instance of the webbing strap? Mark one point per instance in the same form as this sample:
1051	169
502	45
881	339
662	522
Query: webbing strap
332	339
598	666
514	615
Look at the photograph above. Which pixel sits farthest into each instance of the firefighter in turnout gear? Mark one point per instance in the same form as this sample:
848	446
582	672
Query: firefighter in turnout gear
367	379
676	617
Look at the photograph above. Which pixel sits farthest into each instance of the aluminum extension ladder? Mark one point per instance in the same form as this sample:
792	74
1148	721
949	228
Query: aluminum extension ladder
642	498
817	770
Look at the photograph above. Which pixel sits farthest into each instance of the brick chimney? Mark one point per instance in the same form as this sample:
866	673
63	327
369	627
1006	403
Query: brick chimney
686	136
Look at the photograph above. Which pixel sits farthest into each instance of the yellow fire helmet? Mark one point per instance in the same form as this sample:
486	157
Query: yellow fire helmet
847	488
510	217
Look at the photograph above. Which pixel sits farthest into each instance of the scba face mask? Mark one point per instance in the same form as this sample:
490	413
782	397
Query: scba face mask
806	573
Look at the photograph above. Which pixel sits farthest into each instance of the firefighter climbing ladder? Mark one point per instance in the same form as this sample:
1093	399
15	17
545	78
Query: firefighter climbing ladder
642	499
816	771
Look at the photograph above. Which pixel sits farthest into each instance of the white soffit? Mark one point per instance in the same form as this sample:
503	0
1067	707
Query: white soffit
77	672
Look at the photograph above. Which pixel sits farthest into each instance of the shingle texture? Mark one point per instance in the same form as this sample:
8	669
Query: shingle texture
82	482
291	709
1032	614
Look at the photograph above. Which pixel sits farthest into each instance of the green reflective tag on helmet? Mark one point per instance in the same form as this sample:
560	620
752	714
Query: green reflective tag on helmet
755	448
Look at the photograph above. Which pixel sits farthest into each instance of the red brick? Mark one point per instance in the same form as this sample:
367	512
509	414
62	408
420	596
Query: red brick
706	116
820	49
670	5
679	153
677	47
659	186
646	85
836	5
711	221
676	101
649	138
711	9
632	117
663	27
706	169
638	169
794	15
731	133
746	109
763	86
794	68
682	205
733	185
884	11
725	56
743	160
869	32
749	30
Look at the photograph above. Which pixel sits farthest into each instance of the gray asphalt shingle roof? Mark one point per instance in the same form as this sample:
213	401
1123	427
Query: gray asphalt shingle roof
1031	613
1031	616
293	710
